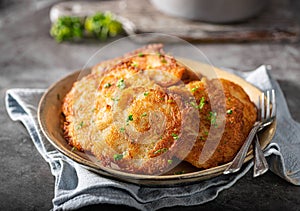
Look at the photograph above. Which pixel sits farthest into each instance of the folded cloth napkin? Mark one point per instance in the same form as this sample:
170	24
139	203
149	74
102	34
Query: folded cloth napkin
77	187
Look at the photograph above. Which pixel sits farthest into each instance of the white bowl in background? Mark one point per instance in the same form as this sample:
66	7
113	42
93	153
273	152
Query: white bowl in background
215	11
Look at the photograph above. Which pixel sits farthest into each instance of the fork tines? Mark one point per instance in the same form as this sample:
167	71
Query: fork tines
267	105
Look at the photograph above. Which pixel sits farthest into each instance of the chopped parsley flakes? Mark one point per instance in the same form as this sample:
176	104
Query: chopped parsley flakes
195	89
144	114
175	136
164	61
107	85
115	99
74	149
118	157
129	118
121	84
163	150
229	111
134	64
213	118
201	104
80	125
146	93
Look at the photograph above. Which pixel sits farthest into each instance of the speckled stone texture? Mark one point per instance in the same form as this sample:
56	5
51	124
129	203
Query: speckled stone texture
30	58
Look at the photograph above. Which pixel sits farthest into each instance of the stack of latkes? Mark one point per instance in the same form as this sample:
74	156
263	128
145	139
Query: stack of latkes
145	112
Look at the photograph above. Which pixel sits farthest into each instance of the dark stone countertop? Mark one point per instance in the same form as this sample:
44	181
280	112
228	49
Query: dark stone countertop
30	58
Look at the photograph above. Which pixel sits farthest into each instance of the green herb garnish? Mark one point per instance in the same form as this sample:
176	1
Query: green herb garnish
67	29
129	118
74	149
118	157
170	161
122	129
146	93
163	150
195	89
121	84
80	125
201	138
107	85
164	61
134	64
144	114
175	136
213	118
202	103
141	54
102	25
99	25
194	104
229	111
115	99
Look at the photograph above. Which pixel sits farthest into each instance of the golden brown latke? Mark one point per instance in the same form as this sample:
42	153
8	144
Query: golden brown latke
145	132
232	121
98	107
136	113
78	110
105	65
79	104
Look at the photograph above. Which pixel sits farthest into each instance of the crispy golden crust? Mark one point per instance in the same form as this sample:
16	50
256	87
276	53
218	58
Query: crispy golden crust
98	107
106	65
141	131
78	110
79	105
136	113
233	122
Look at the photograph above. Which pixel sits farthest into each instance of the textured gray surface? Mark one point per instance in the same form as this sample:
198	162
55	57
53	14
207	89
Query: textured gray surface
275	22
30	58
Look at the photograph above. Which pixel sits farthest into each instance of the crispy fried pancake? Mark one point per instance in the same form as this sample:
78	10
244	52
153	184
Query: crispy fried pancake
137	112
141	131
79	103
98	107
233	122
105	65
79	112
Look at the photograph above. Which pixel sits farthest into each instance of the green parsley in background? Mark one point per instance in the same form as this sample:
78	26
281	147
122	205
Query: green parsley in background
67	28
100	26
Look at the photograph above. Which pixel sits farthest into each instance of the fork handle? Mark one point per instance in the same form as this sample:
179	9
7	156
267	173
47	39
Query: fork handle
260	162
240	157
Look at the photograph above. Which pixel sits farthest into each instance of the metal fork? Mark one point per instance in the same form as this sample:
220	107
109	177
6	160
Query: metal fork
260	163
267	112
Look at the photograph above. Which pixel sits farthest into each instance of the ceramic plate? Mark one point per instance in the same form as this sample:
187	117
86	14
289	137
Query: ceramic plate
50	118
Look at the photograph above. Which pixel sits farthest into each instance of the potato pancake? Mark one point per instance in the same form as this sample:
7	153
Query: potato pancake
144	112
